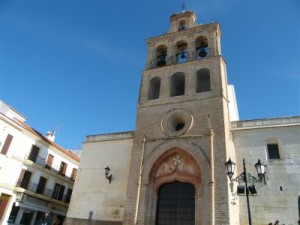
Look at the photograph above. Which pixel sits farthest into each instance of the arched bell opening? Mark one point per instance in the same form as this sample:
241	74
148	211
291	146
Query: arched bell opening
161	55
202	50
181	52
182	25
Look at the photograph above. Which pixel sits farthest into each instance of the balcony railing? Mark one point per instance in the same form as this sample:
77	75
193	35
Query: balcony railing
50	193
53	167
182	57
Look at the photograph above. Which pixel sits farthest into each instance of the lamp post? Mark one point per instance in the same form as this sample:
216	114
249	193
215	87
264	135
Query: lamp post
245	177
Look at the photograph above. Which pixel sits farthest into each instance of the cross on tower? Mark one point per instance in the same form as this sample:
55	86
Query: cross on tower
183	7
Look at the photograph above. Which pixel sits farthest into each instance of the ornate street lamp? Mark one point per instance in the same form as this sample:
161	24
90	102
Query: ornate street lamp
261	171
245	177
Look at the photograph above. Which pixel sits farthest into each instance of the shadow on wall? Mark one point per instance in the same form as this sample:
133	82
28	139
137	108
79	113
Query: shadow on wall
76	221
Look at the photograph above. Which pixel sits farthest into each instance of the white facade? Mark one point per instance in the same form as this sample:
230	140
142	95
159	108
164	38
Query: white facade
98	198
24	159
279	198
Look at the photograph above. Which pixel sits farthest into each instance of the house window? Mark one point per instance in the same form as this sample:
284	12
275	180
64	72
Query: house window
13	214
49	161
154	88
58	192
177	84
6	144
68	196
34	153
74	174
41	186
63	168
24	179
273	151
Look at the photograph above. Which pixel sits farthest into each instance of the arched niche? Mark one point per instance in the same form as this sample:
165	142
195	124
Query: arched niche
177	84
154	88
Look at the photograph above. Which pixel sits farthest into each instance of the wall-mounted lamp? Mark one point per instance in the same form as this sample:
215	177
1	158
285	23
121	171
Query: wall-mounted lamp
108	177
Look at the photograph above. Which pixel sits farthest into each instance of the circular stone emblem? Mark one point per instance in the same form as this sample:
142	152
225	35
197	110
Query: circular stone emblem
176	122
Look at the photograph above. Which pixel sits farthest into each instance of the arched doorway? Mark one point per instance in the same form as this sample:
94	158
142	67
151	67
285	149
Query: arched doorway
175	204
175	161
175	178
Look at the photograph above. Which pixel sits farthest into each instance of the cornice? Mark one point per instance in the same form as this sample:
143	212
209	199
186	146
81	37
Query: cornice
213	27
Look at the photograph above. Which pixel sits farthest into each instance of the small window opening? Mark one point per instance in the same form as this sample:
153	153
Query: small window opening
154	88
273	151
177	84
203	80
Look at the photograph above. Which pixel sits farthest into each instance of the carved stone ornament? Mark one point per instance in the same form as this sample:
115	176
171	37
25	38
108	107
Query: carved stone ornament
177	160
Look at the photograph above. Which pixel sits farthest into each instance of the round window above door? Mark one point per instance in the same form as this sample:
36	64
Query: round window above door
176	122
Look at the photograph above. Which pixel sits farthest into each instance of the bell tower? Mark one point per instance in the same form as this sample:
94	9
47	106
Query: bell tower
182	137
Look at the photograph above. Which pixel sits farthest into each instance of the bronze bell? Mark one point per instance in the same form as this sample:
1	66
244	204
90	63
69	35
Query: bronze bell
202	53
182	55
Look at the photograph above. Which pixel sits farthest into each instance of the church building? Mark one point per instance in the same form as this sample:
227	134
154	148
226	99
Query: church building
171	169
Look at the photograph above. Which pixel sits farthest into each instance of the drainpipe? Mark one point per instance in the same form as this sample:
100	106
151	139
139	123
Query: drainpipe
90	217
212	177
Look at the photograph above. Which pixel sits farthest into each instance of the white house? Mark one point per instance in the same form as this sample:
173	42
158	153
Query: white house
36	174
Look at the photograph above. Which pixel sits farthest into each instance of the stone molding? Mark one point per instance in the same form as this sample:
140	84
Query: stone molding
192	31
109	137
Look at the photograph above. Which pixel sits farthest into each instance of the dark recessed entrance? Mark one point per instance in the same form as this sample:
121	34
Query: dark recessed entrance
176	204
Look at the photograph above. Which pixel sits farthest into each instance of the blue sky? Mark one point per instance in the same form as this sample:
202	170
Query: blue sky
78	63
